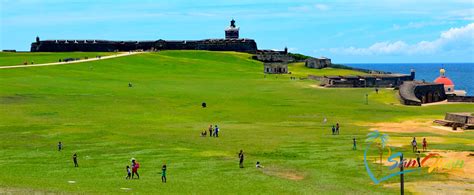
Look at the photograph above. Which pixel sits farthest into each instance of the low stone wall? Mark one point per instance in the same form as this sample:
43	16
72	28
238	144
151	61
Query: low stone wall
461	99
464	118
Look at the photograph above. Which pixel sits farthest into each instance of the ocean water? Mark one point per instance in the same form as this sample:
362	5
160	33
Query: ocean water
462	74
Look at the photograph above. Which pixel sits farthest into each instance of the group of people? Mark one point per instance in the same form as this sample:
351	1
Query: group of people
135	165
241	160
335	129
213	131
74	156
414	144
134	171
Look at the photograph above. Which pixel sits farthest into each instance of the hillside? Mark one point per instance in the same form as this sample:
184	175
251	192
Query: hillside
276	121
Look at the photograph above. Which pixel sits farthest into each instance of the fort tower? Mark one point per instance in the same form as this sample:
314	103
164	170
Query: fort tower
232	32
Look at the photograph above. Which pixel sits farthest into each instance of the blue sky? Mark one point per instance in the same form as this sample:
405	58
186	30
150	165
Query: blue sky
346	31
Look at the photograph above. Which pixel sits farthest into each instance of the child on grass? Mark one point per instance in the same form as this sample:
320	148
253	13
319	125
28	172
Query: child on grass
129	173
163	173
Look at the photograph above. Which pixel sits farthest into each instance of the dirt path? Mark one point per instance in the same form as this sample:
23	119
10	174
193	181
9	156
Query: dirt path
73	62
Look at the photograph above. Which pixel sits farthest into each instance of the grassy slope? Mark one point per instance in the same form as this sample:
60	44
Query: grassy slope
275	120
18	58
299	70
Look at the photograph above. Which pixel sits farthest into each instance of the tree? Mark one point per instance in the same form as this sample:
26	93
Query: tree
380	140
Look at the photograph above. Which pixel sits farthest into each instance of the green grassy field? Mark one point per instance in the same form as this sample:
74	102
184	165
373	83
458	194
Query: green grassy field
10	59
275	120
299	70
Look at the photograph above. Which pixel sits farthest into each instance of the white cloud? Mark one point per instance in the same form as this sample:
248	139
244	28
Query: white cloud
421	24
309	8
321	7
454	39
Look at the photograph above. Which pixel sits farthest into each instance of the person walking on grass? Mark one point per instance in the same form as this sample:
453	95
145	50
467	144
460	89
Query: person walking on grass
337	128
418	158
333	130
216	131
210	130
424	144
354	147
163	173
241	159
60	146
74	159
413	144
135	166
129	173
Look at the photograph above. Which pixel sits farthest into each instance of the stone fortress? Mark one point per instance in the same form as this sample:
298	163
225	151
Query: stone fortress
274	62
317	63
369	80
411	92
232	42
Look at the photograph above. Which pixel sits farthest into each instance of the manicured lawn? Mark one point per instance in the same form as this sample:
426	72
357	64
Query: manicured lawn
275	120
18	58
299	70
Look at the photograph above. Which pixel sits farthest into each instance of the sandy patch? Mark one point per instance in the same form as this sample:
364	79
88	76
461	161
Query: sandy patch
412	127
435	187
285	174
318	86
450	129
444	102
403	141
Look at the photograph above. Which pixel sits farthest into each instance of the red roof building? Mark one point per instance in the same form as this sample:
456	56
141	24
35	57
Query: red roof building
442	79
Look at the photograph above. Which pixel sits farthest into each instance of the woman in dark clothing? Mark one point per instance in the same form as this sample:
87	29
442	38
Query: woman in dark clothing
74	158
241	159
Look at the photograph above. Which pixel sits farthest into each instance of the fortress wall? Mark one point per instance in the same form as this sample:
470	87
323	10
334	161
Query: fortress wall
461	99
240	45
366	81
98	46
430	93
417	93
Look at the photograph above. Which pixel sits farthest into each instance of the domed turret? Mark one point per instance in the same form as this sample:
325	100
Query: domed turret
442	79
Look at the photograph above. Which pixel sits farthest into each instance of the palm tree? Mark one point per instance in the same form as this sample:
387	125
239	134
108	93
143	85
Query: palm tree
380	140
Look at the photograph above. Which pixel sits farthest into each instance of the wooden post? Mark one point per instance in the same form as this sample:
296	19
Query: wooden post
402	187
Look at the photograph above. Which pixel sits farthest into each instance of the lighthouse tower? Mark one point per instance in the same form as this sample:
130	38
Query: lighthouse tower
232	32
